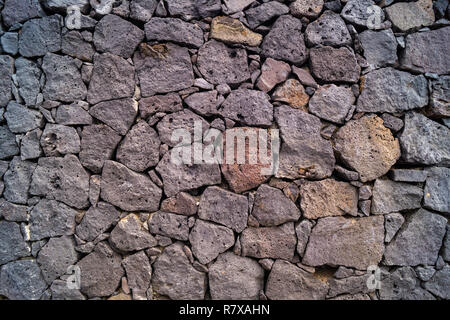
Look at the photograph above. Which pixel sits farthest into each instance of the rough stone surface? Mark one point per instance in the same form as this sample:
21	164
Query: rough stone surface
328	30
306	8
139	273
406	16
17	180
8	145
358	12
96	220
265	12
235	277
192	9
40	36
389	196
437	188
377	149
273	72
21	119
350	242
12	244
232	31
7	70
129	235
392	223
332	103
293	93
174	30
380	48
330	64
439	283
17	11
57	140
169	225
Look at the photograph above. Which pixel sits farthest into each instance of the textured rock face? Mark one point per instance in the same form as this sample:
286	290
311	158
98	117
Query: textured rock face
175	30
437	190
329	64
406	16
235	277
377	149
380	48
425	141
129	235
389	196
327	198
6	68
233	31
12	245
356	243
328	30
421	230
169	225
175	277
288	282
40	36
332	103
96	220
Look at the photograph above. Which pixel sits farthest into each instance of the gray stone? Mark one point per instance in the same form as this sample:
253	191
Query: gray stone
233	68
182	177
170	102
248	107
233	277
422	51
285	41
351	242
272	207
334	64
425	273
418	241
21	119
183	203
117	36
170	225
100	272
392	223
349	285
97	220
208	240
50	218
75	46
389	196
380	48
28	75
390	90
139	150
39	36
288	282
439	284
174	30
18	11
203	103
446	246
128	190
264	13
118	114
56	256
175	277
12	244
402	284
224	207
7	70
303	230
63	79
407	16
62	5
193	9
98	143
163	72
391	122
440	98
269	242
131	235
332	103
17	180
72	114
139	273
13	212
300	131
308	9
10	42
328	30
62	179
22	280
408	175
437	190
57	140
8	145
142	10
425	141
60	291
112	78
360	13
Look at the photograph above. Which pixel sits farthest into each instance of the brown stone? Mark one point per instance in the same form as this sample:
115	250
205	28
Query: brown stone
230	30
273	72
293	93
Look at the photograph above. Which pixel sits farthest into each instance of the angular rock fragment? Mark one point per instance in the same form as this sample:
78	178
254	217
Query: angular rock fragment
264	13
183	203
285	41
100	271
269	242
440	98
349	242
98	143
118	114
327	198
142	10
75	46
208	240
112	78
130	235
330	64
362	13
170	225
50	218
204	103
392	223
39	36
406	16
233	31
439	283
300	131
18	11
139	273
127	189
288	282
164	68
349	285
73	114
60	291
408	175
424	141
418	241
273	72
139	149
97	220
57	140
389	196
328	30
175	277
8	145
170	102
12	244
234	277
272	207
306	8
292	93
117	36
380	48
28	75
332	103
7	70
377	150
437	189
62	179
303	230
18	180
233	66
56	256
21	119
193	9
13	212
174	30
390	90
